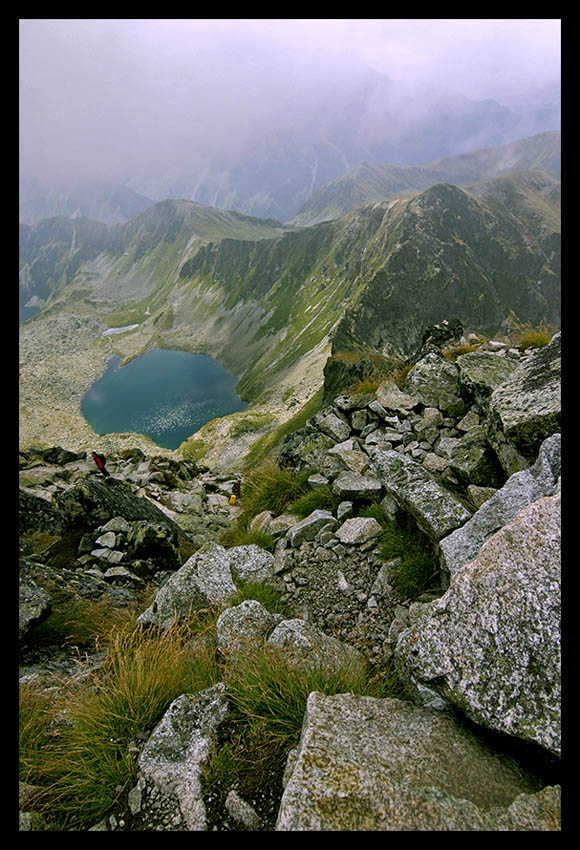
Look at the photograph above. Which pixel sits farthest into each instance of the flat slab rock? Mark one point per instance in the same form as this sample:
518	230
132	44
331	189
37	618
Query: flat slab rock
386	764
435	509
526	408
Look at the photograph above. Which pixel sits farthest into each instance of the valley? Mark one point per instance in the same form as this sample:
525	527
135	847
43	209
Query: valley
272	302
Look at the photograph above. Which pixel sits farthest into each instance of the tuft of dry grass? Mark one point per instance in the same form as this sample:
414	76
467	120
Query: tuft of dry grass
526	335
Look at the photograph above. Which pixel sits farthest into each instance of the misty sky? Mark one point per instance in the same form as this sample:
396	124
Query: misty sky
111	98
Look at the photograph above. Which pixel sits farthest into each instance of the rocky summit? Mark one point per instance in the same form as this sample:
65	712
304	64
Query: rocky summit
453	457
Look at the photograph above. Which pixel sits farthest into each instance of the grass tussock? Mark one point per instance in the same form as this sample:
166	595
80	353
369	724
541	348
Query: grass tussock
266	687
268	488
527	335
418	569
83	765
273	600
321	498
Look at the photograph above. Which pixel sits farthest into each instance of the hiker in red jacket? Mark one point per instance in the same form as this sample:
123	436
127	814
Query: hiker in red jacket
101	461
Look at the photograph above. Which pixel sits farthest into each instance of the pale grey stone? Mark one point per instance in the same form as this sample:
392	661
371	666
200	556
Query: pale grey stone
435	509
242	812
251	563
352	485
435	463
317	480
332	425
491	644
173	756
526	408
204	579
308	528
307	647
434	381
521	488
244	625
391	398
366	764
358	530
344	511
108	540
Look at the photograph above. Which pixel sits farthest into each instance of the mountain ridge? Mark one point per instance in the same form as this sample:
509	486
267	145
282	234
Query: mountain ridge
368	182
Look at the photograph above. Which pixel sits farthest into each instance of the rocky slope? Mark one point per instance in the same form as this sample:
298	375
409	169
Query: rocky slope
475	743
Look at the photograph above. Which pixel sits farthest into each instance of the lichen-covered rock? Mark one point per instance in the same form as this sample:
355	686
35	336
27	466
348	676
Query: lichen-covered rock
481	372
436	511
251	563
526	408
309	648
332	425
171	761
521	488
248	623
204	579
358	530
34	604
473	461
391	398
434	381
491	644
366	764
308	528
156	542
353	485
93	502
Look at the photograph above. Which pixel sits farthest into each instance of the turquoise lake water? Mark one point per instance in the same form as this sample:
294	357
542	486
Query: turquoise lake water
165	395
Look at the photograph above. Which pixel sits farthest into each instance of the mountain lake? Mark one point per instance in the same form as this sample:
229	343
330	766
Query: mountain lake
166	395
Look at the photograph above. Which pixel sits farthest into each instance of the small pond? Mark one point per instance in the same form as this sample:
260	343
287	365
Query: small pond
166	395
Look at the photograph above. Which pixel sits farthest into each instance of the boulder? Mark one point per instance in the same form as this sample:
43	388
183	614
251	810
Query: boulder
392	399
434	381
436	511
332	425
156	542
277	526
480	373
526	408
304	448
491	644
251	563
204	579
471	458
34	605
308	528
169	787
245	624
307	647
358	530
521	489
353	485
367	764
93	502
36	513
